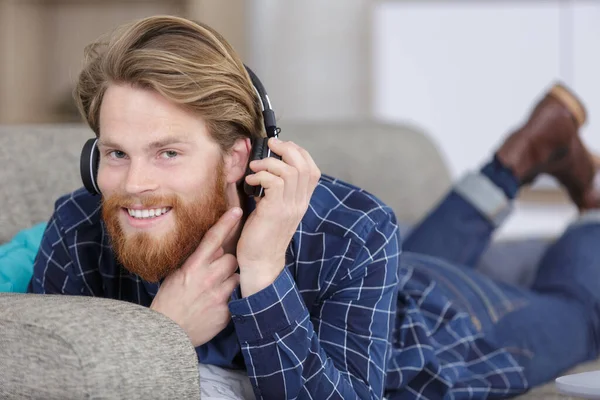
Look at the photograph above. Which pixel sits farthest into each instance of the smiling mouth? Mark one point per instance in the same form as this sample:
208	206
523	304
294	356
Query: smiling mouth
147	213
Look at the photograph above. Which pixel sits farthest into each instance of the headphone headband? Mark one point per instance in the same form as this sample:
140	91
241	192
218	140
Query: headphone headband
267	110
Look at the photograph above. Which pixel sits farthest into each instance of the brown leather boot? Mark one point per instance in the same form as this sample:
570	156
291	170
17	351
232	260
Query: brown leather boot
549	143
591	196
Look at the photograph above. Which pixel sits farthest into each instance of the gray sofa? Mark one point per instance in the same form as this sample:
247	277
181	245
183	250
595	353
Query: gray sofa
60	347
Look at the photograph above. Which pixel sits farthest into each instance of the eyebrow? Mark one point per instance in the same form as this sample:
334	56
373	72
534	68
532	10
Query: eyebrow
152	146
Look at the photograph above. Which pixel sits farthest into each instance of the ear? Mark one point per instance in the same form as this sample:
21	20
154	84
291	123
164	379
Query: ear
236	160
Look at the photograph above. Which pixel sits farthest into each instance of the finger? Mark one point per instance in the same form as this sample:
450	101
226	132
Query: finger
273	184
289	174
229	285
314	171
273	165
294	182
289	153
215	237
217	254
223	268
297	157
303	172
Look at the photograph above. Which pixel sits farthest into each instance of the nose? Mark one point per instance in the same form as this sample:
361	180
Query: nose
139	178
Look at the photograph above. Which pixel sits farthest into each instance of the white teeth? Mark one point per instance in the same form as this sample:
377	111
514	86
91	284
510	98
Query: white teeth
150	213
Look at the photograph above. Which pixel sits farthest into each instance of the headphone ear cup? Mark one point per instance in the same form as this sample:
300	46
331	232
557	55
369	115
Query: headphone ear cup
260	150
88	165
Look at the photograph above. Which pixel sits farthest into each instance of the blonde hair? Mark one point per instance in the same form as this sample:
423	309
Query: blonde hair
186	62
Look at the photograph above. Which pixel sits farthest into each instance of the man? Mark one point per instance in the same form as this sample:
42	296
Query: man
304	287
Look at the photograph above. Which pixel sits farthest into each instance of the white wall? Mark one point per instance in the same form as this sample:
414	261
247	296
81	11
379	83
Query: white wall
312	56
585	25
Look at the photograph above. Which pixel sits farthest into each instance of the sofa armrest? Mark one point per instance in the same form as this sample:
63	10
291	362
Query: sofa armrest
63	347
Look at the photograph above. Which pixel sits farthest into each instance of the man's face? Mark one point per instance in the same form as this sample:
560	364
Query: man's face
161	177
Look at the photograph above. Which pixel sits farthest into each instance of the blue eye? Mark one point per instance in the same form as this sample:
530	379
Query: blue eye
169	154
117	154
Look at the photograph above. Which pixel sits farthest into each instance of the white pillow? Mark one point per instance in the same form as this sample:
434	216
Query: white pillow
223	384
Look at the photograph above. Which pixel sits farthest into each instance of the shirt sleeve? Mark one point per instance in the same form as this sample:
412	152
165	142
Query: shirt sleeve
53	265
341	350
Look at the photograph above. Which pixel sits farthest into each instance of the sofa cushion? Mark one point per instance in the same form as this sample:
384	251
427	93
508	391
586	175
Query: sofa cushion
70	347
396	162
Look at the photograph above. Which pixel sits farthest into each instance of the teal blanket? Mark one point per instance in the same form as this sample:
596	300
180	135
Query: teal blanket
17	257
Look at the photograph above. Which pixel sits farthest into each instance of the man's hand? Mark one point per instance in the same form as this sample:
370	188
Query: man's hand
196	295
289	184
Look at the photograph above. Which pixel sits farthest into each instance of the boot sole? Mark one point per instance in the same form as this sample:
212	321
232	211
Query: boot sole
571	102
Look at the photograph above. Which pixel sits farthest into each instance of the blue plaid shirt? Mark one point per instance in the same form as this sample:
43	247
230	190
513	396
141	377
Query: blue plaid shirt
332	325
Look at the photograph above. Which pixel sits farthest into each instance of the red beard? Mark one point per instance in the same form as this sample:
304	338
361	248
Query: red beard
154	258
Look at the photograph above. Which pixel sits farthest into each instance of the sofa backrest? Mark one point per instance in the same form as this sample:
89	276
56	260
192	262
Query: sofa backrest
38	164
397	163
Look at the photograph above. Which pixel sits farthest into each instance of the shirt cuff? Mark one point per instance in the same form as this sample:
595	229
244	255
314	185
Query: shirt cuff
271	310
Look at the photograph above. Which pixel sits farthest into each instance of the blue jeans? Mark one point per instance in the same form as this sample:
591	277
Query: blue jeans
548	328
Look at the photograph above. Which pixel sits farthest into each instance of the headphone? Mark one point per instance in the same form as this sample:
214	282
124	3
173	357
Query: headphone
90	155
